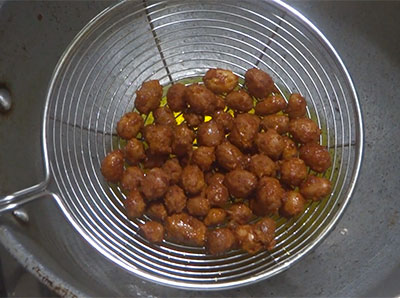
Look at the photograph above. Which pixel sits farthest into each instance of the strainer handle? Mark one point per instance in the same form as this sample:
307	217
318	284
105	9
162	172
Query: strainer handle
21	197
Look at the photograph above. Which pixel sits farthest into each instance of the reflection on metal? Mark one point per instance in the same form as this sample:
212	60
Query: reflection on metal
21	215
5	100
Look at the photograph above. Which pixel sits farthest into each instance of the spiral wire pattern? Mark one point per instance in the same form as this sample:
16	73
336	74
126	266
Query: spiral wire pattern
94	85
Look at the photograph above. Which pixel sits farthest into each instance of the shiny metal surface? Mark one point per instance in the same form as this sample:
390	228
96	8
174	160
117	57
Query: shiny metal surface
5	100
80	134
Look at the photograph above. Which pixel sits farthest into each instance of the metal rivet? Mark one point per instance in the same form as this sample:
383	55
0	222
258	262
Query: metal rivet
5	100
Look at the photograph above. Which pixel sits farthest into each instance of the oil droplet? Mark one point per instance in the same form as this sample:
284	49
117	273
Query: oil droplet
207	118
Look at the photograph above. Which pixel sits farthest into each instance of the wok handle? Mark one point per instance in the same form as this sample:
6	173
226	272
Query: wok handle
21	197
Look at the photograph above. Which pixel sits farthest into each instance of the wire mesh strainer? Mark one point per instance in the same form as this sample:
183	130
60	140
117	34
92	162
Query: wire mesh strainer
93	86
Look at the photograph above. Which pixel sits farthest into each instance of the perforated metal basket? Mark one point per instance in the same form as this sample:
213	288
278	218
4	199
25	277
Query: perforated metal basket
93	86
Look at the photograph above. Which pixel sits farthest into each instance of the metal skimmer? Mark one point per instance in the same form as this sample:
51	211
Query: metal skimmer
93	86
